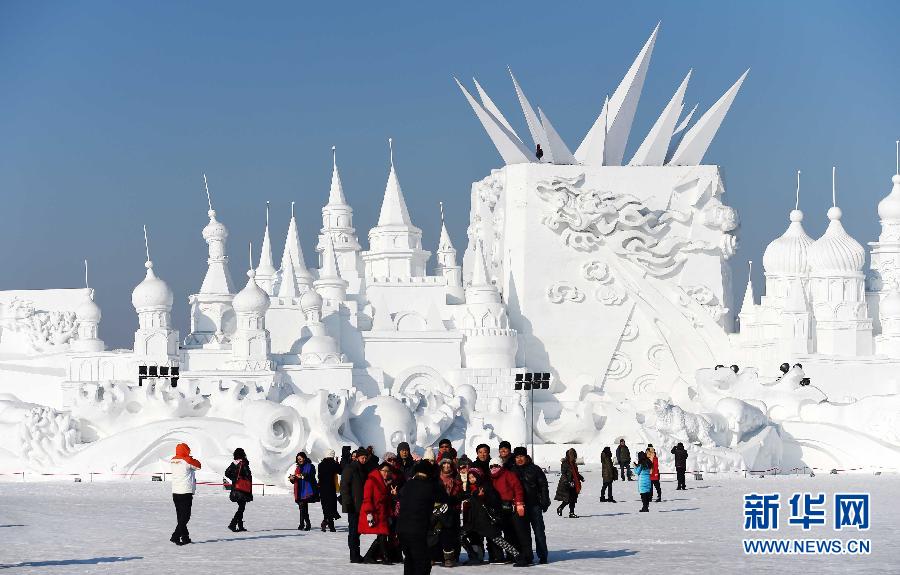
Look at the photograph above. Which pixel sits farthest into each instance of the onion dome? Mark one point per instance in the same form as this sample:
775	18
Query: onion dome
152	292
787	254
88	311
836	252
214	230
310	300
320	345
890	306
251	299
889	207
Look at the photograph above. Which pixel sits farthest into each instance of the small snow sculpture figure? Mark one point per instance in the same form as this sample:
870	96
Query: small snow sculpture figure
539	153
184	484
241	487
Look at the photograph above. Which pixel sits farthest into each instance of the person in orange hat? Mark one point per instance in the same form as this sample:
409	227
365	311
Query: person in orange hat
184	484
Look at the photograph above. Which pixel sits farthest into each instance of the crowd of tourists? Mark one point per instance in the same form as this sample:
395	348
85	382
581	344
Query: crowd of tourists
427	510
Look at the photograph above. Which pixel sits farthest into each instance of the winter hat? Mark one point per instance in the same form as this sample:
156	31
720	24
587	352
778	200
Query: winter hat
403	445
477	473
362	451
464	461
495	461
429	454
182	450
444	442
520	451
389	456
424	467
505	444
329	453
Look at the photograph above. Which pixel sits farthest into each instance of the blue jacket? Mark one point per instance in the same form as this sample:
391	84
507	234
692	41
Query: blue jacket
643	477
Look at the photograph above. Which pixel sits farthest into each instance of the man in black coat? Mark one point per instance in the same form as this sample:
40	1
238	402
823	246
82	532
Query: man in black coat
417	499
681	456
353	481
623	457
537	497
405	461
328	469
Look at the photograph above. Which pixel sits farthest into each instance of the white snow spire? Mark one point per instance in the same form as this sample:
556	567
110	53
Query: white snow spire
652	151
393	207
147	247
444	244
797	201
86	284
508	144
624	102
697	140
492	108
538	135
592	151
558	149
292	257
747	306
218	277
336	193
266	267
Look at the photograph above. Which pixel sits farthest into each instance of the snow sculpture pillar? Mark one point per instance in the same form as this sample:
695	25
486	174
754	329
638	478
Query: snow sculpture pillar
837	286
155	342
395	244
489	342
337	224
212	318
250	345
885	265
447	267
88	316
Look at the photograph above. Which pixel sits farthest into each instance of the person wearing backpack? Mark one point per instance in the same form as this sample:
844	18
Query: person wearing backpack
306	489
241	487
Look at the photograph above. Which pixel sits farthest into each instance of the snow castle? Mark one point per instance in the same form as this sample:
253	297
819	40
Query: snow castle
611	274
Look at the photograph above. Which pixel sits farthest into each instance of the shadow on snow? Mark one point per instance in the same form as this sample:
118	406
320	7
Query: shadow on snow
62	562
573	554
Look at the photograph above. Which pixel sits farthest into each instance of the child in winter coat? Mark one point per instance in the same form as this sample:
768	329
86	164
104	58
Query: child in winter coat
569	485
243	494
481	519
642	470
306	490
654	471
184	484
609	473
375	513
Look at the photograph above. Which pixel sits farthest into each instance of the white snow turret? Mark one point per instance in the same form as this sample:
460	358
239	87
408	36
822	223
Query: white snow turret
337	223
251	344
88	315
155	342
292	258
446	264
395	244
266	274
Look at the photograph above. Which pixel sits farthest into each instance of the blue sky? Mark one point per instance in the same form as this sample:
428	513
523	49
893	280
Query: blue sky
110	112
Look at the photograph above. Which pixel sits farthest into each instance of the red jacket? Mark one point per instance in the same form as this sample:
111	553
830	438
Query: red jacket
508	486
654	472
377	501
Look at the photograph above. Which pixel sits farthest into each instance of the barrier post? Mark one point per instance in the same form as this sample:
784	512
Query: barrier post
264	489
92	476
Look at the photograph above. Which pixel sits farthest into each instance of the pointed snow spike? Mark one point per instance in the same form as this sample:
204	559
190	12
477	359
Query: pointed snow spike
683	124
624	101
557	147
652	151
266	266
336	192
288	286
508	145
534	126
393	207
592	151
679	132
697	140
491	107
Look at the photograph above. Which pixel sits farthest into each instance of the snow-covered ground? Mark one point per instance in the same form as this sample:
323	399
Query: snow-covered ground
123	527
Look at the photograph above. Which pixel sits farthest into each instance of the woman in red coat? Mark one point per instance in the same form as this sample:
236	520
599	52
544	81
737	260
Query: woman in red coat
375	513
654	471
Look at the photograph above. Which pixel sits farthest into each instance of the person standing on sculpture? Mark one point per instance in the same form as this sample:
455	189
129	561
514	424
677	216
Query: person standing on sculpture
329	473
654	471
241	487
569	486
537	498
623	457
642	469
609	474
681	457
353	481
306	489
184	484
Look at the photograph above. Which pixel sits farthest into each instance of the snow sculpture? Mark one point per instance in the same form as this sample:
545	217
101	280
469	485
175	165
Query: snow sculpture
611	275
